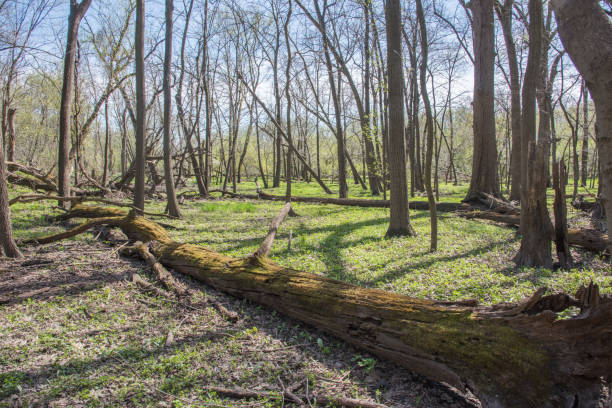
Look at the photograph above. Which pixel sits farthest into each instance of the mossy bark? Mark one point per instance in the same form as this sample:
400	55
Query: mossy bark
509	355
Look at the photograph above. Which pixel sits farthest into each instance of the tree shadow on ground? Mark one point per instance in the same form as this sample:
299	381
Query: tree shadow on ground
395	274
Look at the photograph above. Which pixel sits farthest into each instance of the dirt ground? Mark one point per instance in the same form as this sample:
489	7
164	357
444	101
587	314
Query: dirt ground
76	331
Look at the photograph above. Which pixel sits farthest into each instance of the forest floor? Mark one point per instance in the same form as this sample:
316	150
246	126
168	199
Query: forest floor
77	332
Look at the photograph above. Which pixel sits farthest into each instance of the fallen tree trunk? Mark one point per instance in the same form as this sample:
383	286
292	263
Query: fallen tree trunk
30	182
351	202
31	171
509	355
29	198
590	239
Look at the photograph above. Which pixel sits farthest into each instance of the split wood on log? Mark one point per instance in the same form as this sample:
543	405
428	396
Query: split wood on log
509	355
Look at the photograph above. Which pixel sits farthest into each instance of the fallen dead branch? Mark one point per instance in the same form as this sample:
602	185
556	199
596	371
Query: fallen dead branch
31	171
510	355
266	245
323	400
351	202
169	282
589	239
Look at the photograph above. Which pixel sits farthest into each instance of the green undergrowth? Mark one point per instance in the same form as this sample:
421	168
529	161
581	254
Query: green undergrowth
111	344
474	259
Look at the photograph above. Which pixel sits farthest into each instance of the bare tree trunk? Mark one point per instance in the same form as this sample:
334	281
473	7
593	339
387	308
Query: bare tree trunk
586	33
433	216
139	159
399	222
77	11
536	228
504	13
106	144
277	105
585	136
339	131
10	137
560	209
173	208
289	160
484	166
7	243
123	143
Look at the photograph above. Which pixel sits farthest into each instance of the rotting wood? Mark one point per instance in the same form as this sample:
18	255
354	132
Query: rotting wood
509	355
31	171
169	282
162	275
560	211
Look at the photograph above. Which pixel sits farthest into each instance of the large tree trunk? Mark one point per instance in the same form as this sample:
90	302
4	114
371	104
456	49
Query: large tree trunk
77	11
433	216
484	161
399	220
504	14
509	355
586	33
173	208
7	243
339	131
289	160
536	228
139	159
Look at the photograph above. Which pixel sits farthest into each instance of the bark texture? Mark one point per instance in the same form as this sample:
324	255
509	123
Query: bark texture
560	209
173	208
433	216
10	139
484	164
399	220
139	159
504	13
586	33
7	243
536	228
77	11
509	355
